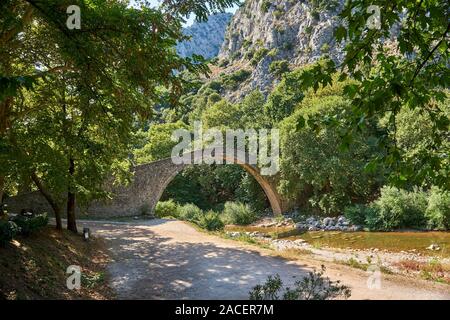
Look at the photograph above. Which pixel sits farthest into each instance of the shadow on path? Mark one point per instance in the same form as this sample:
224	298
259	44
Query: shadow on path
150	266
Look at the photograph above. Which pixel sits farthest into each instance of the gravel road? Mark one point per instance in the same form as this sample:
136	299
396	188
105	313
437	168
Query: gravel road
163	259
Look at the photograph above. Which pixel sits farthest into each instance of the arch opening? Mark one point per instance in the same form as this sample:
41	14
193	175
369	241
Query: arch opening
209	187
268	188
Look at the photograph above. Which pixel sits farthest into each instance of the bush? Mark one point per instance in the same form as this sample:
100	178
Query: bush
312	287
190	212
259	55
238	213
166	209
356	214
265	6
397	208
29	224
232	81
8	231
210	221
279	67
438	210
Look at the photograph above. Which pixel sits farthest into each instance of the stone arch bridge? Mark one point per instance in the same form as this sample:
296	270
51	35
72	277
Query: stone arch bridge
145	190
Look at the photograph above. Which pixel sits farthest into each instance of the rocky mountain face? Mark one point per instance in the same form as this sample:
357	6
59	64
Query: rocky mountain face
293	33
206	37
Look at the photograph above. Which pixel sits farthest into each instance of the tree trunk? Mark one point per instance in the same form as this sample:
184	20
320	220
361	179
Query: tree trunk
2	188
71	219
48	196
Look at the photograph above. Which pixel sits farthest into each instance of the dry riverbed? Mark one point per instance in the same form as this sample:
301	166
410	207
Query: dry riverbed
422	255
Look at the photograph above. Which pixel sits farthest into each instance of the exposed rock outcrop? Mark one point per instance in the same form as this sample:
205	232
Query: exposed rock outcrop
206	37
264	31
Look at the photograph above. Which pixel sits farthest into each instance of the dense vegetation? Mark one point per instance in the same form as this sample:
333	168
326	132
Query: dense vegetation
235	213
319	172
71	99
80	106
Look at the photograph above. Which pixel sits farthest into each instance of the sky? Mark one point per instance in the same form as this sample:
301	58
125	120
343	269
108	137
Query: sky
192	18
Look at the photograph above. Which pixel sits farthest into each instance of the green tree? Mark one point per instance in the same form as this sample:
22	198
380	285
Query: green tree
98	80
158	142
402	64
315	170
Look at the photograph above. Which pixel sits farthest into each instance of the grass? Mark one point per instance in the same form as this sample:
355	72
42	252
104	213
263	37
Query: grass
433	270
35	267
352	262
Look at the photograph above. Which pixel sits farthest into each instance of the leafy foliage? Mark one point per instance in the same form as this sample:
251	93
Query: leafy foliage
312	287
166	209
238	213
190	212
157	142
8	231
399	208
313	166
438	210
210	221
408	73
279	67
29	224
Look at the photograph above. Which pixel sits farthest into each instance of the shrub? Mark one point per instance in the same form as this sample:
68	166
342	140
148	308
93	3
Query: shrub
273	53
325	48
357	214
223	63
259	55
279	67
438	210
238	213
210	221
278	13
232	81
190	212
265	6
166	209
29	224
397	208
312	287
8	231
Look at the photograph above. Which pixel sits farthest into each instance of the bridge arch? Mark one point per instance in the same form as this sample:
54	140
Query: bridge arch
143	193
151	180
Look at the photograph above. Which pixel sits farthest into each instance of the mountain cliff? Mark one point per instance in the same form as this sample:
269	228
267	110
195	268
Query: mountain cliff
206	37
266	36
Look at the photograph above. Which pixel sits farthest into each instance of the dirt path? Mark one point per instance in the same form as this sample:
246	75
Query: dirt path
162	259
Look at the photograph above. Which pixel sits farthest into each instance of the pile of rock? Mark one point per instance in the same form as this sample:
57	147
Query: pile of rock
254	234
280	244
327	224
274	222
